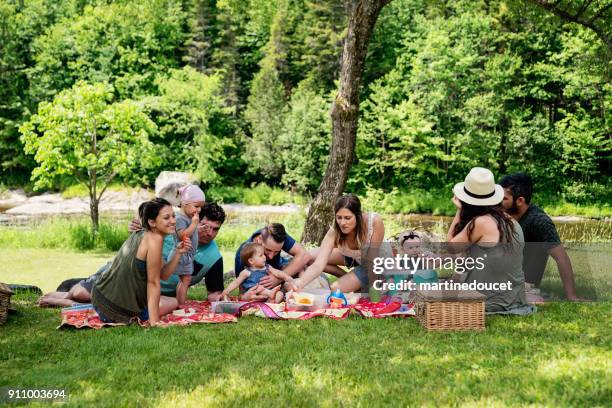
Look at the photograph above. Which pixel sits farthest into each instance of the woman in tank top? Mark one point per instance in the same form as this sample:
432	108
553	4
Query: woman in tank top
485	231
131	287
351	233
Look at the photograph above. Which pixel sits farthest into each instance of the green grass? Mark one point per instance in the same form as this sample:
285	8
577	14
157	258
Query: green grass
562	207
66	233
46	268
558	357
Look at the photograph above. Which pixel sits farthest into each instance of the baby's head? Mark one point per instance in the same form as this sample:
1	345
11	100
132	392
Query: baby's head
192	199
252	255
410	243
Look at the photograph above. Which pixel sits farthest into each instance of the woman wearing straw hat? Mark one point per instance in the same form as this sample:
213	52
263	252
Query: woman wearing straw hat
491	235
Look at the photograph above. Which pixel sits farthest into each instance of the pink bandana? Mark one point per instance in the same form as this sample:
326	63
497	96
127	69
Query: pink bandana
191	194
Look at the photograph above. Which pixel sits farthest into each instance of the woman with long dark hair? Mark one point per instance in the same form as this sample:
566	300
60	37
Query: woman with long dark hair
352	233
490	234
131	287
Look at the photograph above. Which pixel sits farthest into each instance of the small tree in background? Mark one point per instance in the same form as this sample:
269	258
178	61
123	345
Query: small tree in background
83	134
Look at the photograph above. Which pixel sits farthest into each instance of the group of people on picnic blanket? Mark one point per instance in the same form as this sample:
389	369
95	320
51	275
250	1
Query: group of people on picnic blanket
168	252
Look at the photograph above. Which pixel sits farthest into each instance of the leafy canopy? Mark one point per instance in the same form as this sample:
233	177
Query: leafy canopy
82	133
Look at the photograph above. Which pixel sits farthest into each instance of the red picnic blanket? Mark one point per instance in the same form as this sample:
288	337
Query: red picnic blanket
193	312
364	308
200	312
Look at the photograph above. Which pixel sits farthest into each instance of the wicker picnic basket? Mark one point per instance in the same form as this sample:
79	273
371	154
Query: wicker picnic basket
5	301
450	310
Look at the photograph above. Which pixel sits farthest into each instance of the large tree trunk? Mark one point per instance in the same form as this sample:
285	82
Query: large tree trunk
362	16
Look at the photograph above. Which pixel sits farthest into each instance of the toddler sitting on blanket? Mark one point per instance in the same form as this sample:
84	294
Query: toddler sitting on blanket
252	255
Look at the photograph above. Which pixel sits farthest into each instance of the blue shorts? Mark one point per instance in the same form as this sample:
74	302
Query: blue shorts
144	315
358	270
89	282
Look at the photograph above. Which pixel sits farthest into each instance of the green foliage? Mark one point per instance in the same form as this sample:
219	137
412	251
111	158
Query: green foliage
125	43
196	129
305	139
446	86
266	108
465	91
319	37
82	133
82	237
20	23
256	195
431	201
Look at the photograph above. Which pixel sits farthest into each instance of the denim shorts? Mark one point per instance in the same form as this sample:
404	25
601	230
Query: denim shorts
358	270
89	282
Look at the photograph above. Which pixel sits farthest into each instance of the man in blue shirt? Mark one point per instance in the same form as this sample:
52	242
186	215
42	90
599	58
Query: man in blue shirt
275	239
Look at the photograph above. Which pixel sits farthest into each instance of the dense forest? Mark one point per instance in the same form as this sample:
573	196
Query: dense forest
239	91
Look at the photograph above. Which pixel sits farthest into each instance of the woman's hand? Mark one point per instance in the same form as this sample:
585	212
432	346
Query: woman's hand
297	284
183	247
290	285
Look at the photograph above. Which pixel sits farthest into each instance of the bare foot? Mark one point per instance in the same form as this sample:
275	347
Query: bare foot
56	299
535	299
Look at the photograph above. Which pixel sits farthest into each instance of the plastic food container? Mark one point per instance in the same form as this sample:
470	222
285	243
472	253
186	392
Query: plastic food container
307	301
226	307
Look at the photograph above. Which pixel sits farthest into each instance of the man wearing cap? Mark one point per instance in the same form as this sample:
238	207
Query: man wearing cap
541	236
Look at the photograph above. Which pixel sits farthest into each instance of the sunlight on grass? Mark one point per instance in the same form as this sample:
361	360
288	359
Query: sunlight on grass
46	268
223	389
581	364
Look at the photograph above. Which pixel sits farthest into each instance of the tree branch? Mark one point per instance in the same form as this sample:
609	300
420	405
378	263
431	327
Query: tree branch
584	7
107	181
565	15
600	12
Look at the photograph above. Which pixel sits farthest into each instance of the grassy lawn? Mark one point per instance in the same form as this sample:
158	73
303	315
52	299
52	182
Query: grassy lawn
46	268
562	356
559	357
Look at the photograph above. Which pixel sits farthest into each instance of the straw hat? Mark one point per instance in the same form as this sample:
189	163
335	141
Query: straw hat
479	188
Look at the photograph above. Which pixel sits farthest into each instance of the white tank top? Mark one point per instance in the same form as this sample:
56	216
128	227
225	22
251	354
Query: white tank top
356	253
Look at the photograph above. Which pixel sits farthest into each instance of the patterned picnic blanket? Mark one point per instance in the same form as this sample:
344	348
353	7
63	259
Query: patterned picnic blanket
200	312
193	312
364	308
